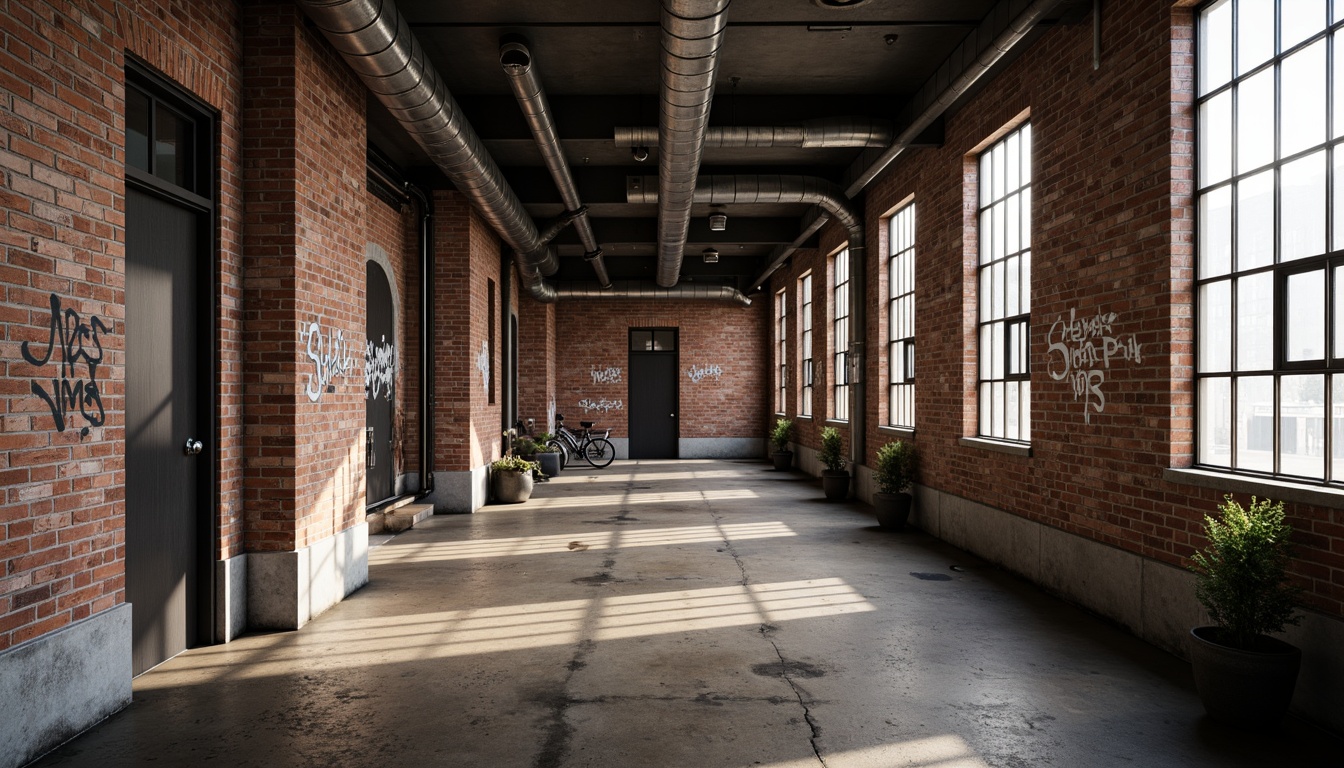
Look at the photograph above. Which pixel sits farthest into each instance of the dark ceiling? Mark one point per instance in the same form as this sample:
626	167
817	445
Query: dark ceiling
782	62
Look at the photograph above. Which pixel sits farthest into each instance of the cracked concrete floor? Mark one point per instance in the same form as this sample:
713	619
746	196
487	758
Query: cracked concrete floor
693	613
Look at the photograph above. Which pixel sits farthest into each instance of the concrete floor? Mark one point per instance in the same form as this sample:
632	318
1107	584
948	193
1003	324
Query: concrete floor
694	613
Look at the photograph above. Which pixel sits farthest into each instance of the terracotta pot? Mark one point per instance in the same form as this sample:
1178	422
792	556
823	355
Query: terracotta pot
1248	689
893	509
835	482
783	460
512	486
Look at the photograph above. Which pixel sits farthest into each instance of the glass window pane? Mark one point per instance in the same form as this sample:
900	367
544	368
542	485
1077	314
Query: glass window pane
1215	232
1215	139
1215	422
1026	218
1025	305
996	157
1013	164
1255	121
1255	423
986	292
137	129
1338	217
1012	224
1012	292
665	340
1337	421
1302	426
998	396
1024	422
1305	316
1339	312
1302	212
996	350
641	340
1011	411
1302	116
1215	49
996	237
1337	79
1215	327
1026	156
1255	322
173	149
1255	33
986	409
986	371
996	300
986	181
1255	221
1299	20
984	232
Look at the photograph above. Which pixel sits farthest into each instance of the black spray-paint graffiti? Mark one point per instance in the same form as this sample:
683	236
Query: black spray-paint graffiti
77	341
1085	349
331	357
380	366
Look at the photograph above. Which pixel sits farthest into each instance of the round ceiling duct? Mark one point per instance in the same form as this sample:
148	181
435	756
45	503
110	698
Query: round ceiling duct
838	3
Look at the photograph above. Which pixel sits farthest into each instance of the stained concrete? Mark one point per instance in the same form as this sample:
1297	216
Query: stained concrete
694	613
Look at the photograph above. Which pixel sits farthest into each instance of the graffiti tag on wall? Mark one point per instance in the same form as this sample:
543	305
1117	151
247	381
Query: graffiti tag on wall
78	341
330	353
601	406
380	368
609	375
1081	351
698	373
483	365
550	415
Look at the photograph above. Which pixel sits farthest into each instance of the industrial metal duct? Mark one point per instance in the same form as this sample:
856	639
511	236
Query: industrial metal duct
812	134
516	59
642	289
692	31
737	190
377	43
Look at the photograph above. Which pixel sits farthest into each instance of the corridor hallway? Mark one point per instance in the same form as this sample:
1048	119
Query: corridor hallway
681	613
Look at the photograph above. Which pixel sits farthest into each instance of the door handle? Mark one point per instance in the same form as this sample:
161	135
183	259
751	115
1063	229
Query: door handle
192	447
672	415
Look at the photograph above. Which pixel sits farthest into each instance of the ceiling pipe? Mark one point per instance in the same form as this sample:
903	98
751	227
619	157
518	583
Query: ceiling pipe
637	289
783	252
376	42
516	59
735	190
812	134
1004	42
692	32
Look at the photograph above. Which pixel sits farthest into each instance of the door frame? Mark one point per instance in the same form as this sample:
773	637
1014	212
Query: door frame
675	354
209	388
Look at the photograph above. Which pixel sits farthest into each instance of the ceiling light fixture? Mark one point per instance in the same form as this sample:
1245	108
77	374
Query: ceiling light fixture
711	255
640	154
718	220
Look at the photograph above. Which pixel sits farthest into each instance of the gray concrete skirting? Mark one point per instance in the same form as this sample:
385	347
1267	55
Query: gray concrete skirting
1153	600
721	447
230	598
286	589
55	686
458	492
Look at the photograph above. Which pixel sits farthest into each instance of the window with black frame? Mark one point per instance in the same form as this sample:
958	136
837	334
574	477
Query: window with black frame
840	336
1270	239
805	345
781	350
901	318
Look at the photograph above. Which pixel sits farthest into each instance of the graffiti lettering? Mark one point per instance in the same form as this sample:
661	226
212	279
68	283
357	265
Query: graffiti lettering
77	341
483	365
380	367
550	415
698	372
608	375
330	353
1081	350
601	406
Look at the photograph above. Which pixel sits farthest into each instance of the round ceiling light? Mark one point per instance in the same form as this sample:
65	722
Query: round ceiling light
838	3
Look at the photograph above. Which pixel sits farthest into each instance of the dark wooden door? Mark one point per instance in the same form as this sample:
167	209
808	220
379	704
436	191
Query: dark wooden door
652	404
165	316
379	380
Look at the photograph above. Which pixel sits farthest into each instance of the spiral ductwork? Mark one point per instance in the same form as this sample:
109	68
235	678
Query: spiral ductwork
692	32
516	59
635	289
376	41
733	190
812	134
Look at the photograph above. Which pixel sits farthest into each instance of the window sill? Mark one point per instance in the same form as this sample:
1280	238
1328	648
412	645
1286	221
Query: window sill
998	446
803	417
837	422
1278	490
905	433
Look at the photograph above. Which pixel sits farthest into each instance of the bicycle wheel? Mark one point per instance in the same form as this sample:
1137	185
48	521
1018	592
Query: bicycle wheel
599	452
564	452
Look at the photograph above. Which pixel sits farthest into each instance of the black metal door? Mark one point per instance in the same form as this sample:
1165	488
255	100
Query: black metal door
379	378
165	317
653	394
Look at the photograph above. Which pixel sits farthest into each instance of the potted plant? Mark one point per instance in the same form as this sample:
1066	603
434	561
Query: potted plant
1245	677
511	477
548	456
779	437
834	478
895	475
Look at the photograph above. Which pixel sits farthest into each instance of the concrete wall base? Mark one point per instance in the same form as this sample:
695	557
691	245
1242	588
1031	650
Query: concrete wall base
286	589
56	686
458	492
230	598
1154	600
721	447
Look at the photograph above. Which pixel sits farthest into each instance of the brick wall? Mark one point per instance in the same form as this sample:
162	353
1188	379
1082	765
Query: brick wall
595	335
536	360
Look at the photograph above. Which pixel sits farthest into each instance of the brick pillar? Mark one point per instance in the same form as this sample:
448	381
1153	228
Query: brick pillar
536	361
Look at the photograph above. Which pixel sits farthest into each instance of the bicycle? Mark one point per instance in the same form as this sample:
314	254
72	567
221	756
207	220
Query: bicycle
595	448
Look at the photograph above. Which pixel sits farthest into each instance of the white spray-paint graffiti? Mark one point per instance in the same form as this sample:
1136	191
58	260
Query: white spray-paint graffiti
380	368
483	365
550	415
1081	350
698	373
601	406
330	353
609	375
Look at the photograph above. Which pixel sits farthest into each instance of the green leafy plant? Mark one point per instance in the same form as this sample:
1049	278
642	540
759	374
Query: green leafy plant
525	446
832	454
1243	572
513	464
896	465
779	436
